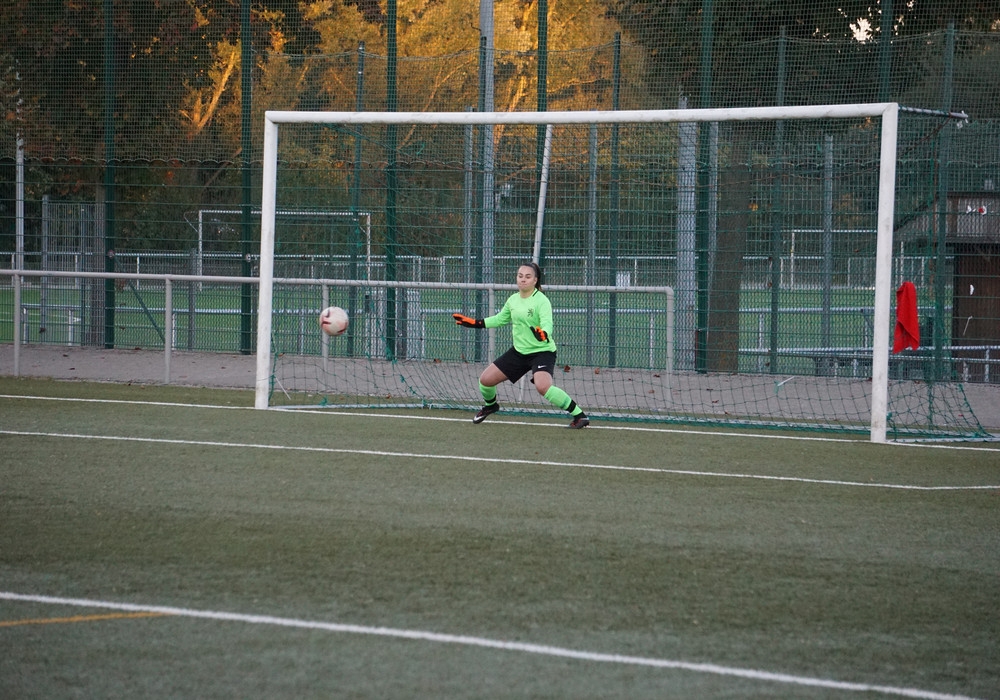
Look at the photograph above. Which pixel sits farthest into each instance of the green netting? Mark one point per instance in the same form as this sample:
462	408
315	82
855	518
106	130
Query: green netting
167	83
136	130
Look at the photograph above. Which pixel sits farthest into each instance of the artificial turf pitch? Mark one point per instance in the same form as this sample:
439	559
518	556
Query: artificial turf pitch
167	542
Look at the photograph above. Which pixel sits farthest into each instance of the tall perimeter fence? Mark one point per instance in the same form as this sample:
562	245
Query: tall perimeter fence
131	146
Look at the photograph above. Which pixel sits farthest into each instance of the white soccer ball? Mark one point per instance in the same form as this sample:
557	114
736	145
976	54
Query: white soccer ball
333	320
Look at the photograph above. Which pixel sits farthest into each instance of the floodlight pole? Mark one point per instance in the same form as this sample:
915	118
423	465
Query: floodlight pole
543	188
110	101
18	182
486	104
246	175
19	203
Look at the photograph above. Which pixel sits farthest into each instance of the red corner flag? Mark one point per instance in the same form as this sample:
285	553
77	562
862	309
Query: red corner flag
907	327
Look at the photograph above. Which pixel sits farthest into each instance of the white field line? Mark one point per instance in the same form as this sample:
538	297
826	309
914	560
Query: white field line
492	460
376	413
611	426
538	649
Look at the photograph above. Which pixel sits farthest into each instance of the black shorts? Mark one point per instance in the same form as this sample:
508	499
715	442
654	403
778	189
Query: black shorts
515	365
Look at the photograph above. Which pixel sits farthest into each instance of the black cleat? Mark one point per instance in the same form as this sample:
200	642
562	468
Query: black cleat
580	421
485	411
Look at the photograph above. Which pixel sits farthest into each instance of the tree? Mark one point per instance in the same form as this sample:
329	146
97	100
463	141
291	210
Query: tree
670	31
444	35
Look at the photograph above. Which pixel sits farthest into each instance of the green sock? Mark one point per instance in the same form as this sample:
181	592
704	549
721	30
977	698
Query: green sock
489	393
560	399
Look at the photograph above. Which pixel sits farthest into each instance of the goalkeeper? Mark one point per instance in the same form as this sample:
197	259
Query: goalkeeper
529	314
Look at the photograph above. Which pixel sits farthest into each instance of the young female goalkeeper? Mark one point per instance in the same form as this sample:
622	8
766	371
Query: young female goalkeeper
529	313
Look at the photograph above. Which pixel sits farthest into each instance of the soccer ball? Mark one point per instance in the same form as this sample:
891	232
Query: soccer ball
333	320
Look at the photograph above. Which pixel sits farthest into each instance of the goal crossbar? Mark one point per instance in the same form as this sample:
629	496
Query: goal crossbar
887	113
636	116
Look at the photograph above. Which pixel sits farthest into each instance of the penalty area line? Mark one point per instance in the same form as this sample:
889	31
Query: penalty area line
486	643
495	460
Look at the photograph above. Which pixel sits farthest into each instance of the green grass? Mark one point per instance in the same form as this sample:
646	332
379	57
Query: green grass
503	531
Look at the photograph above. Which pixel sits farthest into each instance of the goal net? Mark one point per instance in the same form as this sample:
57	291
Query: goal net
723	266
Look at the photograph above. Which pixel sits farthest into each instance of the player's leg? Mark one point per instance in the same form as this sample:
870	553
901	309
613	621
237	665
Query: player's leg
507	366
488	381
559	398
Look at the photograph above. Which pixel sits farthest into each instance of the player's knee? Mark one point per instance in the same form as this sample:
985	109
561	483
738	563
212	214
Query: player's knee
491	376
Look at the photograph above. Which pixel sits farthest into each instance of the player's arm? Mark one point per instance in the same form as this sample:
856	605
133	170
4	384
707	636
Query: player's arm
541	335
501	318
468	321
543	331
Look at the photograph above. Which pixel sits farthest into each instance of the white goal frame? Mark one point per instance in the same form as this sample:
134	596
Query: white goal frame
886	112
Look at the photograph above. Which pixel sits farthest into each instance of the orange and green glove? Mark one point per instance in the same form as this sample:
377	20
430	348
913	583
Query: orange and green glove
468	322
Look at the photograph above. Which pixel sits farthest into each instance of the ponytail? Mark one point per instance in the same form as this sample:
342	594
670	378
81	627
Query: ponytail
538	273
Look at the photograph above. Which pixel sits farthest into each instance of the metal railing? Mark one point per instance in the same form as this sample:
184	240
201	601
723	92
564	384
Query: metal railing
966	363
798	271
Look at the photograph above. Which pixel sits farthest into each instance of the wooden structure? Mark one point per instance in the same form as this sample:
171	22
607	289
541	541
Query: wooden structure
974	237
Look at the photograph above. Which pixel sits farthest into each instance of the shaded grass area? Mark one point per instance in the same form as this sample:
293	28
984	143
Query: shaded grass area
835	581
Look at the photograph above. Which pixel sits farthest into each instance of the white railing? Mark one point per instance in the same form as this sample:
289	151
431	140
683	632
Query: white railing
797	271
418	315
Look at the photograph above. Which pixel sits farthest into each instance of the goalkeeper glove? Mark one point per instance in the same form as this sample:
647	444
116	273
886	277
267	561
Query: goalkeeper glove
468	322
540	333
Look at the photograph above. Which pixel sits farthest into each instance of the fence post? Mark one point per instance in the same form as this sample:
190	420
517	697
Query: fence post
17	325
168	328
192	301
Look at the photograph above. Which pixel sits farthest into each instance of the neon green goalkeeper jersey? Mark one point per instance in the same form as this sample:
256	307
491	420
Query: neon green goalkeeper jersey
522	314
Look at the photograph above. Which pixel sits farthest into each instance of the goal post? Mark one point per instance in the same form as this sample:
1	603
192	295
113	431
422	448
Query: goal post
883	271
777	389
